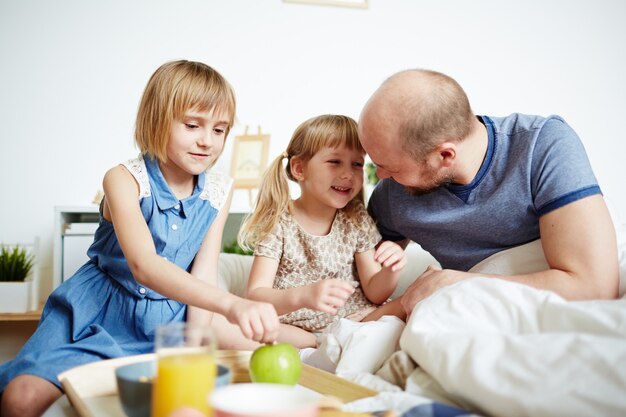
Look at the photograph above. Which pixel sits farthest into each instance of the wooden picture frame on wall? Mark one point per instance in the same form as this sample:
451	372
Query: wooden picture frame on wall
249	159
355	4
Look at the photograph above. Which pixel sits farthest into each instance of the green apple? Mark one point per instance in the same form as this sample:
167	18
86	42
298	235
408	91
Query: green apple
278	364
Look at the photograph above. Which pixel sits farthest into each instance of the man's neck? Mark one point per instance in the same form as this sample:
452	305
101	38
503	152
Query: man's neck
473	150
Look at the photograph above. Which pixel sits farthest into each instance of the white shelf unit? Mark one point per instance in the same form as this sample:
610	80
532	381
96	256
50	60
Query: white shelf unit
74	227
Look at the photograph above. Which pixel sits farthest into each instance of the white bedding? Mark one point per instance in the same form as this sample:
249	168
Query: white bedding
505	349
489	346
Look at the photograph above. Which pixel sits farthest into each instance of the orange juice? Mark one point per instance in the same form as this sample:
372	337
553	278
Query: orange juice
183	381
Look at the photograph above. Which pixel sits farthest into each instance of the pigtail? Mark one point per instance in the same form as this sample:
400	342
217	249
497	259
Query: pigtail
273	199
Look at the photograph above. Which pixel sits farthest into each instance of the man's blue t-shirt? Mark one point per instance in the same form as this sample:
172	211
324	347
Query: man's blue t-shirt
533	165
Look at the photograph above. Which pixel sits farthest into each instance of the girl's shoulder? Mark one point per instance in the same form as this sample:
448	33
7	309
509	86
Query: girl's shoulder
137	168
355	212
216	188
355	218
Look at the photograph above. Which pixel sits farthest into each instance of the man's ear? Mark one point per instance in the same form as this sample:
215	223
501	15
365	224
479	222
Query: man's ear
297	168
447	153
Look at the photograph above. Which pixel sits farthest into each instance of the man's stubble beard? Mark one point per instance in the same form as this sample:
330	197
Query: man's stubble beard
441	181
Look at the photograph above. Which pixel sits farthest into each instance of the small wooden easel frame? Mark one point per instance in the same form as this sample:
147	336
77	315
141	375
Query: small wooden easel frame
249	160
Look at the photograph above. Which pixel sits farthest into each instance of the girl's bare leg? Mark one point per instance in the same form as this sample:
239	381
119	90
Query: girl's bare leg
298	337
28	396
229	336
392	308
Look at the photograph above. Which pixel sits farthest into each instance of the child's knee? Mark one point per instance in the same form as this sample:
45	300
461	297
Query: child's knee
28	395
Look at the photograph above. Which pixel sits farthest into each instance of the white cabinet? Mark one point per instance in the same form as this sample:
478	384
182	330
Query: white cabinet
74	227
77	237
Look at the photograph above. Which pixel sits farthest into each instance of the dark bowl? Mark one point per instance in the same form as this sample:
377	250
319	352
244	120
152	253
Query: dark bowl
134	386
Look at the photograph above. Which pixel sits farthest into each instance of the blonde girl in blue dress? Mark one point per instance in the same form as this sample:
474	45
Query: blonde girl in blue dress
155	250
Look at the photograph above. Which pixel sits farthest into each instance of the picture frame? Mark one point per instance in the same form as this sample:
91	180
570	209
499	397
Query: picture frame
355	4
249	159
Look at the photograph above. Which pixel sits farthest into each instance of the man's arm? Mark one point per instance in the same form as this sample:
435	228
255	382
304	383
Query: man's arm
580	247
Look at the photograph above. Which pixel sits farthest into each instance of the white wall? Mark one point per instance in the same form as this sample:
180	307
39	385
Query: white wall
72	72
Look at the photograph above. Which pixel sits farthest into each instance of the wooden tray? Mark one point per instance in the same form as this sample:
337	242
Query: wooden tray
92	390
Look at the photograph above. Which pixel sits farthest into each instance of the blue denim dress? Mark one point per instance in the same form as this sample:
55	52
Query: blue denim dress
101	312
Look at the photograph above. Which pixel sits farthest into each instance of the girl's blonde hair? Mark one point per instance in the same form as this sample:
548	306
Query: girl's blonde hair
174	88
273	199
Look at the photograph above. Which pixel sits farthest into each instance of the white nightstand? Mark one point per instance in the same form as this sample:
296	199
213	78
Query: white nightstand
74	227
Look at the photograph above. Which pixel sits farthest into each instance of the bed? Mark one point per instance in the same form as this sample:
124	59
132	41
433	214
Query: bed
482	347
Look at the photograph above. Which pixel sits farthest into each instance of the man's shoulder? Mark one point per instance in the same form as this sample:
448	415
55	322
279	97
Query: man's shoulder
516	123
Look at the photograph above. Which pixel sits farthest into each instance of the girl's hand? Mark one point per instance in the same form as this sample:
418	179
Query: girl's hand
390	255
257	321
327	295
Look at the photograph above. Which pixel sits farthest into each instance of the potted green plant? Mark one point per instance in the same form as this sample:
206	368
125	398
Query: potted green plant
18	280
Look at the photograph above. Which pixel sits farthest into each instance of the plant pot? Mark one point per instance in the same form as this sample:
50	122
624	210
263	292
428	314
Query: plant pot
16	297
22	296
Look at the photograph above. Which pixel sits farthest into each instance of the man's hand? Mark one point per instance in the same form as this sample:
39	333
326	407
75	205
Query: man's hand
430	281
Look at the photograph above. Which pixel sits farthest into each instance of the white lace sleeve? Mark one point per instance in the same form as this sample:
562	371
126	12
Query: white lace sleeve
216	188
137	167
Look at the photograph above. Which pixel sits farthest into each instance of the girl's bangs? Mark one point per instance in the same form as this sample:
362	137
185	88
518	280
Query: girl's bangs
204	96
333	132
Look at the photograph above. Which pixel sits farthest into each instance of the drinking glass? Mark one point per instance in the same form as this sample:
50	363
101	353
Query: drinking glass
186	368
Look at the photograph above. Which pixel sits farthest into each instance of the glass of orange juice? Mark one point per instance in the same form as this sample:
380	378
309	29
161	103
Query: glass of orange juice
186	369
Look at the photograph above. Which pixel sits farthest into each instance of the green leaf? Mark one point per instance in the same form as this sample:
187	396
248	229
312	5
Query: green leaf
370	173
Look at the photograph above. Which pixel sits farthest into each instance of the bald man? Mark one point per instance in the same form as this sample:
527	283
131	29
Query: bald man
465	187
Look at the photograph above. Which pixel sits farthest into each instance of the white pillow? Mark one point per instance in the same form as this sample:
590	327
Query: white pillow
418	260
524	259
621	254
234	269
529	258
233	272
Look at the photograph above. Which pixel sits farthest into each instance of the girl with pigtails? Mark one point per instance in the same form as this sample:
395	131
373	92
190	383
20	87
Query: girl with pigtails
319	258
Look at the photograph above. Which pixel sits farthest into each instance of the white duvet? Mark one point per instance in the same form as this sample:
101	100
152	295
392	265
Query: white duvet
505	349
487	345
